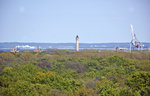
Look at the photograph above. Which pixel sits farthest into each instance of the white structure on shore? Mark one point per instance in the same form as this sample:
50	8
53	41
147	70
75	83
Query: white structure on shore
77	43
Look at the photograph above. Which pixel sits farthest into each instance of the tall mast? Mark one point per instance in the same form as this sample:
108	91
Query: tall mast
133	35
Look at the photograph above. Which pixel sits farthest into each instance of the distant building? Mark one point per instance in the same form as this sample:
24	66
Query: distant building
14	50
77	43
121	49
38	49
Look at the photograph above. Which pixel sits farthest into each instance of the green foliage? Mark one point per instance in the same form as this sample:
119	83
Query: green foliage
27	57
77	66
58	66
56	81
143	65
6	58
12	74
44	64
140	81
89	74
67	73
107	88
121	65
24	88
85	92
20	88
61	52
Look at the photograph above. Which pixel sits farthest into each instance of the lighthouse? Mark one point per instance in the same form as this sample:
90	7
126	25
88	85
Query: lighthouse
77	43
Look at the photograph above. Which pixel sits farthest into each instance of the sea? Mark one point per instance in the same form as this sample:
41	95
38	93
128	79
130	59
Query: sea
7	46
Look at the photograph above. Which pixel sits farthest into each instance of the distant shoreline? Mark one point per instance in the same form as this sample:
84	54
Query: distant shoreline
7	46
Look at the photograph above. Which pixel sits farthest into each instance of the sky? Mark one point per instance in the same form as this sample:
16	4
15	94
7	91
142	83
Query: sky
59	21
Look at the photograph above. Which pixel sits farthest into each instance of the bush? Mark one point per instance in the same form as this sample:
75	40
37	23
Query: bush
44	64
140	81
80	68
57	82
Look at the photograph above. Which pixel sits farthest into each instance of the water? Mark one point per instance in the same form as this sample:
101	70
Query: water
7	46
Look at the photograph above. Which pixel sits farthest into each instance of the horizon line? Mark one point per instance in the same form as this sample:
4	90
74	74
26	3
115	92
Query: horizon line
68	42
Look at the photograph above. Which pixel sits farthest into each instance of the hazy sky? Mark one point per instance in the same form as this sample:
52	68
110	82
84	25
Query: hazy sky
95	21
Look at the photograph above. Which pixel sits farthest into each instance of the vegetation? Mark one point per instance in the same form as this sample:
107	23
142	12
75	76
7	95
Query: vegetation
68	73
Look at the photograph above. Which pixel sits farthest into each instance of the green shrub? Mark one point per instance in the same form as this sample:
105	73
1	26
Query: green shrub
140	82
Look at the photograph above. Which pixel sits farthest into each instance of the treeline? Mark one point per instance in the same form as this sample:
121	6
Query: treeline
68	73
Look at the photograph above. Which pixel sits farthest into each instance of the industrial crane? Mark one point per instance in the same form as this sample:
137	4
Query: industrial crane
135	43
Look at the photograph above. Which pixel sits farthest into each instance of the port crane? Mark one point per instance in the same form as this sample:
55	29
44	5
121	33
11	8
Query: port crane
134	42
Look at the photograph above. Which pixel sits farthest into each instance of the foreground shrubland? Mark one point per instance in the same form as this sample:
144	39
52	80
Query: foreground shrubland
68	73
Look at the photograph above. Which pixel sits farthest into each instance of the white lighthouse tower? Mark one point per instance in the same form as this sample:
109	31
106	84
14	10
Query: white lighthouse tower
77	43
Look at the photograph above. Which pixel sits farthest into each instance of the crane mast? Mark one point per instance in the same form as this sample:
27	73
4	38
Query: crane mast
133	35
134	41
